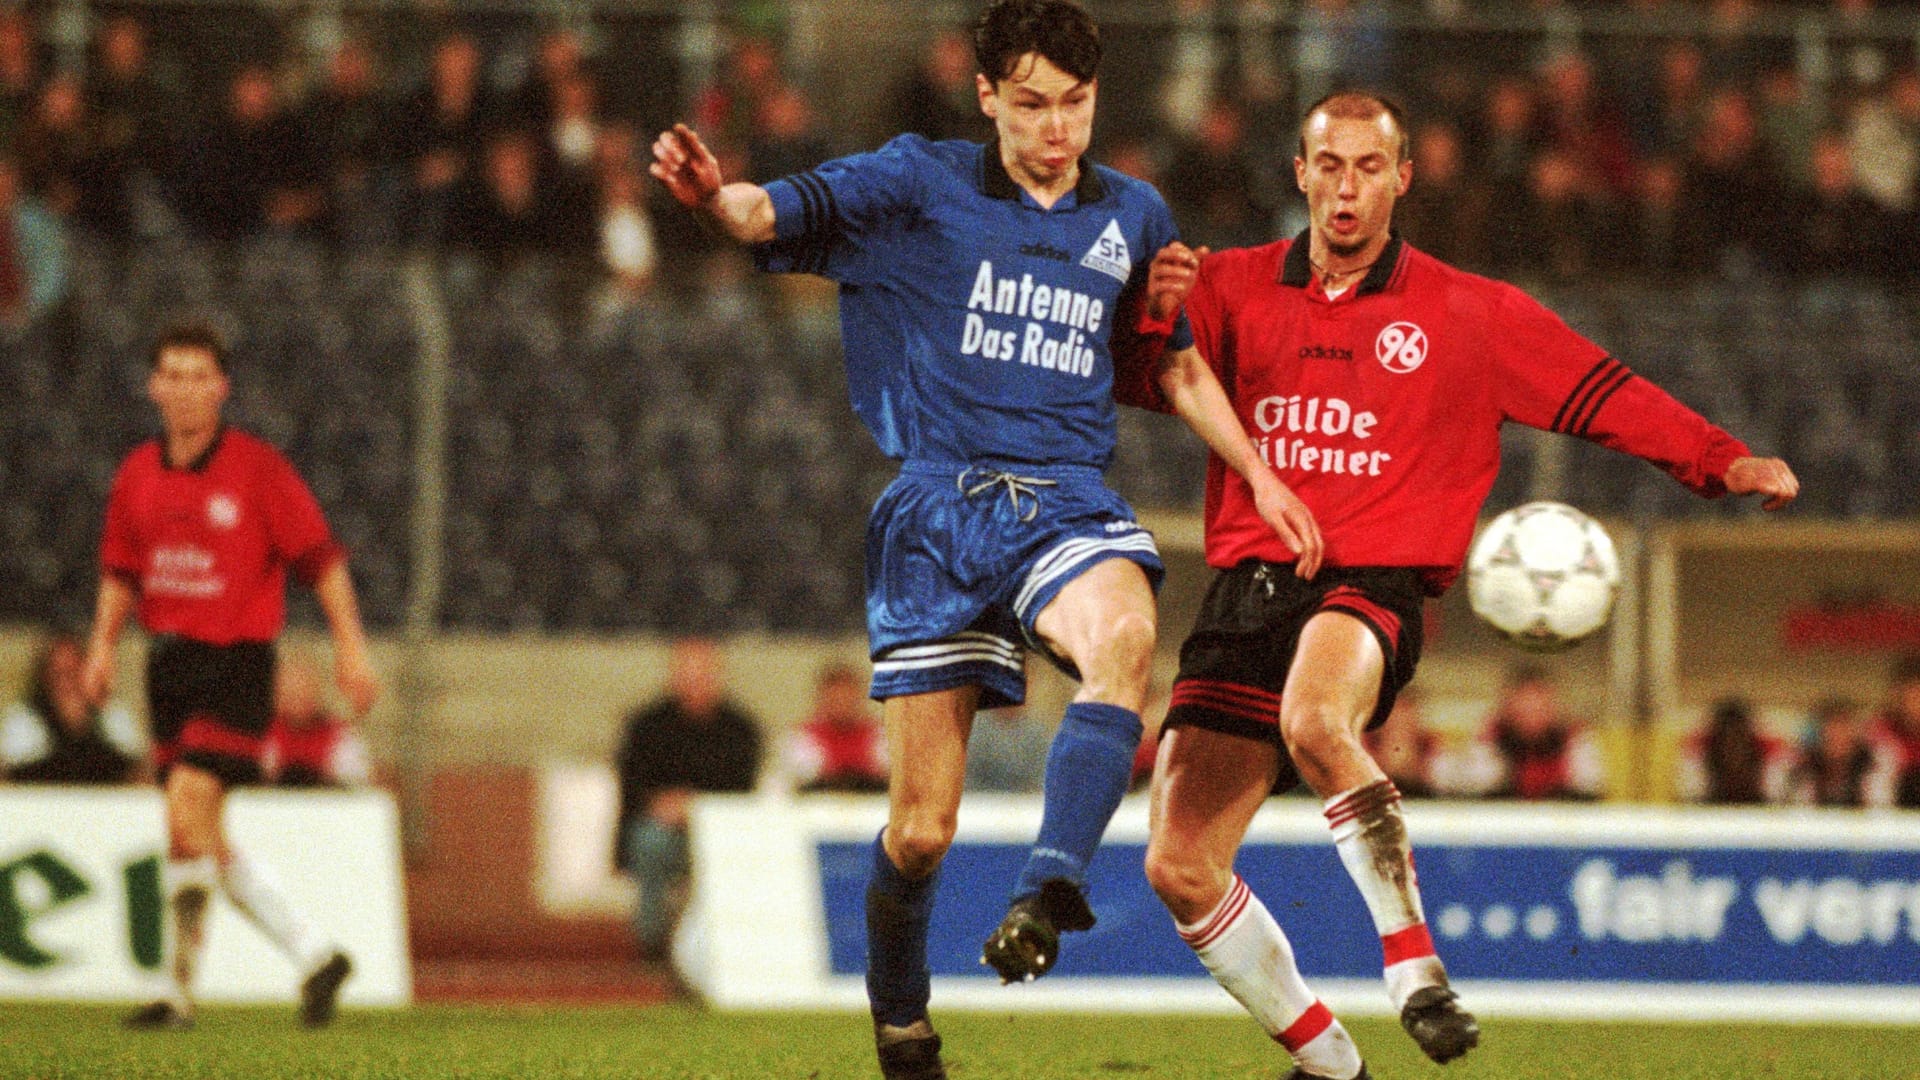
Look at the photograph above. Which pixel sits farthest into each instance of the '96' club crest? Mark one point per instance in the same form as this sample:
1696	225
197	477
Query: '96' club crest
1401	347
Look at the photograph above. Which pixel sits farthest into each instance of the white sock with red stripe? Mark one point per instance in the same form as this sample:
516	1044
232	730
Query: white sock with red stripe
259	897
1371	835
1250	956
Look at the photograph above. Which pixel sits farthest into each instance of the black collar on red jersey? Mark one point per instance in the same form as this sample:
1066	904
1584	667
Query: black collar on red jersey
1297	269
198	464
1000	184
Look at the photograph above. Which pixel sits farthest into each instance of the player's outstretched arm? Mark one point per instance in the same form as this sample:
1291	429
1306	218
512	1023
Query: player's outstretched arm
1769	477
691	174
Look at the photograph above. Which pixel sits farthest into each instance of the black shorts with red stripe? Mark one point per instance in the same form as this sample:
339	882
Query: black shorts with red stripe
210	705
1234	664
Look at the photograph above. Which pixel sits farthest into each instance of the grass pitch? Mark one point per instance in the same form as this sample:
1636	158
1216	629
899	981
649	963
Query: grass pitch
57	1042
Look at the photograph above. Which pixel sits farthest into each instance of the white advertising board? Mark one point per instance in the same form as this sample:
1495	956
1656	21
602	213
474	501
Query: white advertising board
80	911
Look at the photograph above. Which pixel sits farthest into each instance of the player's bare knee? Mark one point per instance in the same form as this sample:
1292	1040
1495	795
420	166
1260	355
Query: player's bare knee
1120	657
1320	737
918	843
1187	885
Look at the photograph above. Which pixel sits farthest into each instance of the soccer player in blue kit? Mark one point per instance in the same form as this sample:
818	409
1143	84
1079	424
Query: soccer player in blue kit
984	291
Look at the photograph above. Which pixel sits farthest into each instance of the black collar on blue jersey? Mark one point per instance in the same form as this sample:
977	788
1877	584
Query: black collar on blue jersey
1297	269
999	184
198	464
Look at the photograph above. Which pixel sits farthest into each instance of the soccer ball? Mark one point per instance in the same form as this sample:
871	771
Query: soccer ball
1543	574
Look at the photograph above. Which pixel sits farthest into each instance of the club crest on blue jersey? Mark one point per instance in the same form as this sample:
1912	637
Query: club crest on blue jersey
1109	254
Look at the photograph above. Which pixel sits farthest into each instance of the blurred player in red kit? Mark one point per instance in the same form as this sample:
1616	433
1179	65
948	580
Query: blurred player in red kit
203	525
308	744
1374	380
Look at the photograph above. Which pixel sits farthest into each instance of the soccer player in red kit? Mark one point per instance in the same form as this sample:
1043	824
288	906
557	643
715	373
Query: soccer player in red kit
1374	380
203	524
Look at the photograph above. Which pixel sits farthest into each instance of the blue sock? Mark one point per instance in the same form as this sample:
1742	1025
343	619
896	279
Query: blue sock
898	910
1087	773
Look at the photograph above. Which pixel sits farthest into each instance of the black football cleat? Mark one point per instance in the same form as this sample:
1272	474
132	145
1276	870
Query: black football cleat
1442	1029
1299	1073
320	993
1027	942
159	1016
909	1053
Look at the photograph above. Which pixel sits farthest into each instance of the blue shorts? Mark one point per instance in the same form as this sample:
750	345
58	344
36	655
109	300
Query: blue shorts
962	559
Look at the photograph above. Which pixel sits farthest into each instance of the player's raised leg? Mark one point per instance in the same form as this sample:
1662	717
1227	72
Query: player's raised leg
927	742
1332	689
1103	622
1207	785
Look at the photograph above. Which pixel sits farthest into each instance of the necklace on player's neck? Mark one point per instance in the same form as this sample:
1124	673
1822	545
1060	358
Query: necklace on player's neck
1327	276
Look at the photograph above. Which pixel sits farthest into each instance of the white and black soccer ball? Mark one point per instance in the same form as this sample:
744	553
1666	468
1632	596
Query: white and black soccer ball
1544	575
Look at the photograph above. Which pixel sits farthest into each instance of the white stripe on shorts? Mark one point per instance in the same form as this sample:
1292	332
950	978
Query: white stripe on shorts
1070	554
963	648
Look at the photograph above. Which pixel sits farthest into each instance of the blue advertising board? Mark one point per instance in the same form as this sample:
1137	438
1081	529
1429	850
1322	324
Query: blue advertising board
1599	911
1508	911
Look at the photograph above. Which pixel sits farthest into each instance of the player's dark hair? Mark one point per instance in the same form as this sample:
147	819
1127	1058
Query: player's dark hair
195	335
1360	105
1059	30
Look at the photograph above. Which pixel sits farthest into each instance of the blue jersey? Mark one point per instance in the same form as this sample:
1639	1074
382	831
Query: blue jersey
976	323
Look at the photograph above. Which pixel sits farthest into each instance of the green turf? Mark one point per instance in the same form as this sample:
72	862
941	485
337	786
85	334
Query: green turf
50	1042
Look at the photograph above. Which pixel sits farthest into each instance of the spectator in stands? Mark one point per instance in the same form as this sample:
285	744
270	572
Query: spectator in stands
309	745
1732	762
1531	748
558	59
56	146
1656	234
1406	748
1674	115
1211	184
1569	222
1842	764
1899	724
938	99
628	251
33	254
1444	214
1728	191
54	735
19	72
693	739
1884	136
1508	138
840	746
251	169
123	89
438	135
1831	228
1584	127
349	122
500	214
1007	751
787	137
1790	119
726	108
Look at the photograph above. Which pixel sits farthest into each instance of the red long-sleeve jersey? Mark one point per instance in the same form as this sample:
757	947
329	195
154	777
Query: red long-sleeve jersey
1381	408
207	547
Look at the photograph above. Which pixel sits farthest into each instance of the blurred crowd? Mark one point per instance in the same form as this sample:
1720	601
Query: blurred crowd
1542	150
52	734
1842	753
